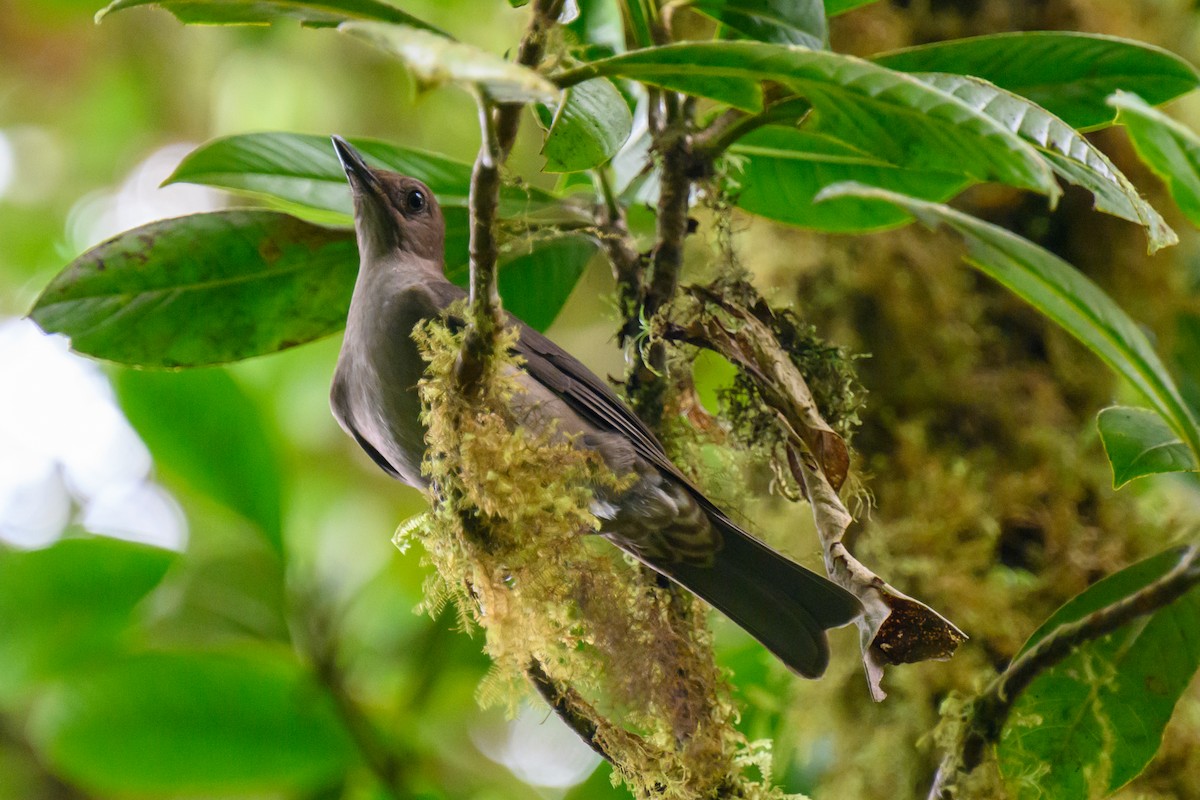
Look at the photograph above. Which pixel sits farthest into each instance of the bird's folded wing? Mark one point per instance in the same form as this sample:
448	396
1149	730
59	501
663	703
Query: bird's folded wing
589	396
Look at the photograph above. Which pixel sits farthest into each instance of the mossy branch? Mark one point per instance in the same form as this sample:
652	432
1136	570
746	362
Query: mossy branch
987	713
894	628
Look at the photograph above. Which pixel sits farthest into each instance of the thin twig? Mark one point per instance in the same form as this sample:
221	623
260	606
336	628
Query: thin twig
991	709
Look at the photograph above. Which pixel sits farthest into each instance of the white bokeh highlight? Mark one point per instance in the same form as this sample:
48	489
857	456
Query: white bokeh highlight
538	748
8	163
139	199
67	454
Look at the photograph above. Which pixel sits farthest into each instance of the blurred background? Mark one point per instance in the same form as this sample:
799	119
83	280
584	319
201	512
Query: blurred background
279	628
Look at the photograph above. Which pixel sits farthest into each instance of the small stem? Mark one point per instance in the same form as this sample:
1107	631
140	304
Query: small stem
529	54
734	124
637	17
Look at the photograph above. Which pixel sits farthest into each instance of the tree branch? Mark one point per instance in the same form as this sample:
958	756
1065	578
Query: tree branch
570	707
989	711
498	126
627	263
646	386
319	641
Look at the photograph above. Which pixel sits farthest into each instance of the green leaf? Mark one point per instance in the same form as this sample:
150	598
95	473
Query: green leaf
303	170
1069	74
1170	149
435	60
68	604
1063	294
893	116
313	13
213	288
799	22
535	282
639	20
598	25
239	721
783	169
835	7
589	126
205	429
1091	723
1139	443
1071	155
203	289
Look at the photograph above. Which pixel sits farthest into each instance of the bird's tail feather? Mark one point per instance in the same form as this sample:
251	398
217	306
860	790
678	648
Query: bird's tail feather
780	603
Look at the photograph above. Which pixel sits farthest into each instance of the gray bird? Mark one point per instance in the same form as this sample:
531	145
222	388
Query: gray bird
663	520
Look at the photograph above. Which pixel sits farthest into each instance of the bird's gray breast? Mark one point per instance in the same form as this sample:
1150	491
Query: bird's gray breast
374	395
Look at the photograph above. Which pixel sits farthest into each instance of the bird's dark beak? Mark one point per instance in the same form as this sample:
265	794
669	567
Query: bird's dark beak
362	179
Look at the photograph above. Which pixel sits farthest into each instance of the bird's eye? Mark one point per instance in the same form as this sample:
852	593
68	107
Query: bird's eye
414	201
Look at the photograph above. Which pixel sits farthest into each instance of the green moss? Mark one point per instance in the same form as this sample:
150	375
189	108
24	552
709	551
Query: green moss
512	552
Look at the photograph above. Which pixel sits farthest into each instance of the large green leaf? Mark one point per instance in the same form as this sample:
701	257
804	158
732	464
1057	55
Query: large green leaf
168	723
435	60
214	288
835	7
315	13
1069	74
203	289
799	22
67	604
1170	149
783	169
893	116
1071	155
588	127
1091	723
1139	443
303	170
536	281
201	426
1063	294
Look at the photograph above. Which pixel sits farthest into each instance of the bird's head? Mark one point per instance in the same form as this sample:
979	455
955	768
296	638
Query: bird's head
393	213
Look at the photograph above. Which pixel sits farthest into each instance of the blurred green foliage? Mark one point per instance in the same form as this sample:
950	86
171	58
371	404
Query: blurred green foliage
278	656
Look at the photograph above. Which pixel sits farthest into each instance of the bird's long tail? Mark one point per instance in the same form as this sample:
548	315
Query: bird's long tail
778	602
